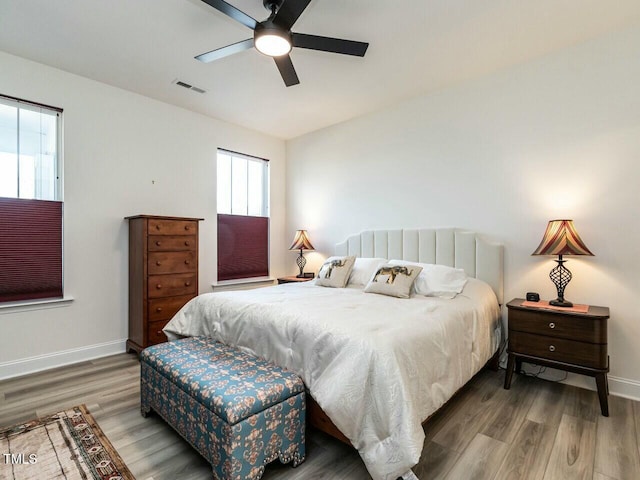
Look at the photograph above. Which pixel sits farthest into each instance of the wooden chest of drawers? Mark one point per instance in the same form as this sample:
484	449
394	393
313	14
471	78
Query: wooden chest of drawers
575	342
163	274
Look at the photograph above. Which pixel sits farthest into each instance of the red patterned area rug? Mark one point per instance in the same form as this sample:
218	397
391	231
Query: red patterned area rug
68	445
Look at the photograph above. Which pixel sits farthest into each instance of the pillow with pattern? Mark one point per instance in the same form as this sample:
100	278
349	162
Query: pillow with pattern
394	280
335	272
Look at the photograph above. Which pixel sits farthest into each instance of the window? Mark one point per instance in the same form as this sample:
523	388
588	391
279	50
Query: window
243	216
30	201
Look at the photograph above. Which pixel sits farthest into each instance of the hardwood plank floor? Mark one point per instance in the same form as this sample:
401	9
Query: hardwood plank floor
537	430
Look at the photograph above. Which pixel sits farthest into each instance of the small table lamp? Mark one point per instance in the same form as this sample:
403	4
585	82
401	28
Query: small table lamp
301	242
561	238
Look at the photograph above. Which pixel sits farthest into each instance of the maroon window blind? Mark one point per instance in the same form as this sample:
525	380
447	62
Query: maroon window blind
243	247
30	249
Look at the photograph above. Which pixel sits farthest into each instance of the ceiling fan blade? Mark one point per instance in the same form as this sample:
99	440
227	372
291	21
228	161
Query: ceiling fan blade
233	12
289	12
225	51
328	44
285	65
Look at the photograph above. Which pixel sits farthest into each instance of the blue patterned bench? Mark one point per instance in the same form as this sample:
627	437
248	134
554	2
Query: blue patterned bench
239	411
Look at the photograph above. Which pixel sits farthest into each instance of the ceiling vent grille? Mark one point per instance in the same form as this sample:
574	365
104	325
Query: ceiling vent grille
189	86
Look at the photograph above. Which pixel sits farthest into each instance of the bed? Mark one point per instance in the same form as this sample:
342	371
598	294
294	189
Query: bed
375	366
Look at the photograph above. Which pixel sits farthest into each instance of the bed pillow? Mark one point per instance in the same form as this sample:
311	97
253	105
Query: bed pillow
335	272
363	270
437	280
393	280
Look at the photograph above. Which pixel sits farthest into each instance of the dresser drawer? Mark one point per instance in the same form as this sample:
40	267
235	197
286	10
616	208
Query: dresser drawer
168	243
559	349
166	308
542	322
172	227
171	262
171	285
155	333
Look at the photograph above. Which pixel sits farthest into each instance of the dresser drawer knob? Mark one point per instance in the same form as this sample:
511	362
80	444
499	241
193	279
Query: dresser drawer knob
159	332
552	348
187	262
158	286
159	309
158	243
187	243
158	263
552	325
187	284
186	227
157	227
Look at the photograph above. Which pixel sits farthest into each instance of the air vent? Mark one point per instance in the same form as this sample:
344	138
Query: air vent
188	86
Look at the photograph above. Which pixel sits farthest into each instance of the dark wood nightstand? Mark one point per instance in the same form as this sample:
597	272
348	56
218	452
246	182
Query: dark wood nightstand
293	279
570	341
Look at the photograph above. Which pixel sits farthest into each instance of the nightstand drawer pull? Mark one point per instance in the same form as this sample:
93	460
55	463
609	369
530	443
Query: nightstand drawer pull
552	348
552	325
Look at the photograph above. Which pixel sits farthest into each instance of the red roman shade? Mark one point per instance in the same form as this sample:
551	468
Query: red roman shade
30	249
243	247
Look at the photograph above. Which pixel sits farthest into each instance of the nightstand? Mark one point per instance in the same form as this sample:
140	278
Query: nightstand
293	279
570	341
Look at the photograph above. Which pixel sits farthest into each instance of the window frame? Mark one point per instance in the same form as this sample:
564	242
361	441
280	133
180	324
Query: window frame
244	221
266	200
35	107
34	296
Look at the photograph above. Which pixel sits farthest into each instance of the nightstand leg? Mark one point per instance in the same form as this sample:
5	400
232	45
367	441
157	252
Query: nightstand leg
518	366
509	372
601	382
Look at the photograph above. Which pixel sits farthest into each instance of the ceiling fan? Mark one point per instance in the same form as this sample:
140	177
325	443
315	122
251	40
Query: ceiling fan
273	37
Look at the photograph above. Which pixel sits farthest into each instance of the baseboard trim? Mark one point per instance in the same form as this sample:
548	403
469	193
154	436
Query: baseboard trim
38	363
618	386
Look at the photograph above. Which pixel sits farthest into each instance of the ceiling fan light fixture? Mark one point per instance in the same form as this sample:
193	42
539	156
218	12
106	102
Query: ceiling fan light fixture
272	42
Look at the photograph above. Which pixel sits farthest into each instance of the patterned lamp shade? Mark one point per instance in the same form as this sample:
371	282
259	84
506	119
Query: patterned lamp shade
301	241
561	238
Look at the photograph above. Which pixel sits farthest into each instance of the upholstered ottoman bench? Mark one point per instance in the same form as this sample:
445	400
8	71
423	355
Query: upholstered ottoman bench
239	411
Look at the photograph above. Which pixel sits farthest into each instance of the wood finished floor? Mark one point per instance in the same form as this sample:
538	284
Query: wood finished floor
537	430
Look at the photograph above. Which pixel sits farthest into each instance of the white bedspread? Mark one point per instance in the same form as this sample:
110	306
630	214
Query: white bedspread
377	365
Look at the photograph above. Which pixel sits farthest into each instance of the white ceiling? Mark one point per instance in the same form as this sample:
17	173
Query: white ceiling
416	46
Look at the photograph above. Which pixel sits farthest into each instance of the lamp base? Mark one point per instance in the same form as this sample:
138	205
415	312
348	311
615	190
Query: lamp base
560	303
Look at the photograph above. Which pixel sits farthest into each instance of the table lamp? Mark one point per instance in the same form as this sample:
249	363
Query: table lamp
560	239
301	242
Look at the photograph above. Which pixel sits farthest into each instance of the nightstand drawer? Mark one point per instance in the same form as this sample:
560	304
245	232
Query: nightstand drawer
558	349
544	322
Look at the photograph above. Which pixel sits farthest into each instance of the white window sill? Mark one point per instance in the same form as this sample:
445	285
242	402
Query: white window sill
27	305
242	281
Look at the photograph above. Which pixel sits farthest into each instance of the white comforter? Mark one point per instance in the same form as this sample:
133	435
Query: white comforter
377	365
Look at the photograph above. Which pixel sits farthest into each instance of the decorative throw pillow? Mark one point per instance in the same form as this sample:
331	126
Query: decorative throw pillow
363	269
335	272
437	280
393	280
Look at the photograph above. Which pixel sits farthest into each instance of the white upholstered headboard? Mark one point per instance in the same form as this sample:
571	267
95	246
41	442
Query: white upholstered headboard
443	246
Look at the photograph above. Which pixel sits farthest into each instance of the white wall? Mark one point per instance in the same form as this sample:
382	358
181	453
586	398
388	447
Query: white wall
555	138
124	154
